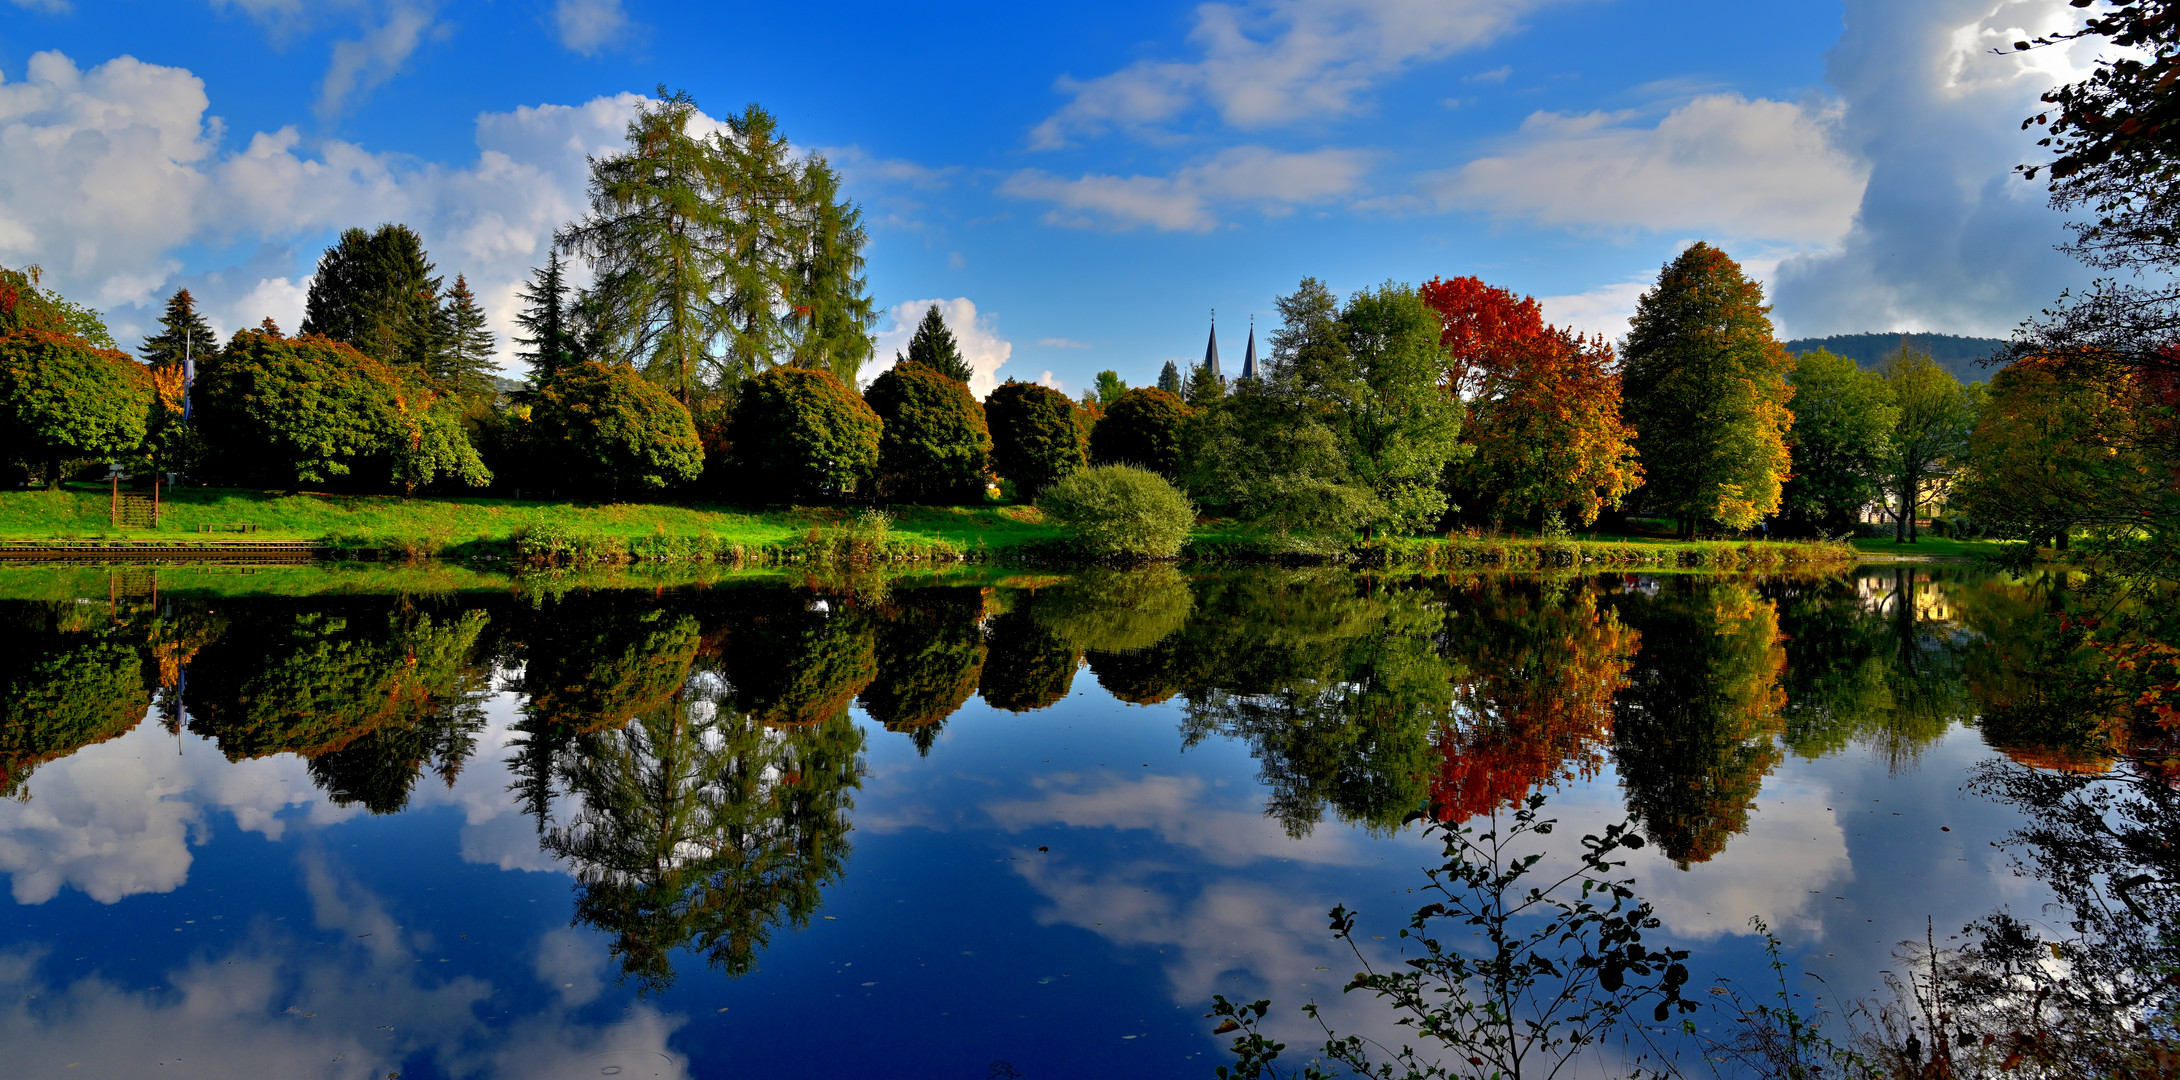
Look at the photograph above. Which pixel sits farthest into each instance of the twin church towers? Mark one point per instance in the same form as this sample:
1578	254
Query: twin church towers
1211	353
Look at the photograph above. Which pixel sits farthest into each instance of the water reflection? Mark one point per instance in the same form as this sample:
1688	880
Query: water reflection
691	757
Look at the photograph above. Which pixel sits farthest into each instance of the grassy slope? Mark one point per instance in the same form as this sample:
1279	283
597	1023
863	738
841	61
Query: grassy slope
1932	547
81	512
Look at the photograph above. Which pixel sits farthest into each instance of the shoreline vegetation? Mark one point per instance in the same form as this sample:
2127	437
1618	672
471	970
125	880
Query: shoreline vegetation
562	534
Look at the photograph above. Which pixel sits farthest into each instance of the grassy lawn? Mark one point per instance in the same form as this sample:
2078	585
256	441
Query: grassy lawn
1933	547
81	512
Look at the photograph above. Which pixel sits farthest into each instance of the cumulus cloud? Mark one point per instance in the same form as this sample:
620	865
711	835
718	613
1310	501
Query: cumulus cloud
1275	62
975	335
105	173
1188	200
1721	163
1945	237
589	26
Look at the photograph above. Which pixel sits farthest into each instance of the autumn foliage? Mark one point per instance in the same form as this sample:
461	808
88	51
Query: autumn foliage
1544	406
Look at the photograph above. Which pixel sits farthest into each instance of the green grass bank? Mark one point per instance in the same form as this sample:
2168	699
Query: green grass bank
578	534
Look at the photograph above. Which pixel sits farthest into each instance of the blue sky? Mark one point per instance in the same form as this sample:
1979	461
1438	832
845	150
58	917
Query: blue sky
1080	185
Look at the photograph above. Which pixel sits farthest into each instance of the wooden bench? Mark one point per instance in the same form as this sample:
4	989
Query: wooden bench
227	526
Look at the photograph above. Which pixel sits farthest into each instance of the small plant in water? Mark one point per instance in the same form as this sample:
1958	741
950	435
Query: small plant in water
1562	964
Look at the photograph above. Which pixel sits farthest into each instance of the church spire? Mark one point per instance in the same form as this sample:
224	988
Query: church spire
1211	350
1249	358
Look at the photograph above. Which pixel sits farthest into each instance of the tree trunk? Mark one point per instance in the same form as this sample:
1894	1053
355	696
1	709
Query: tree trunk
53	473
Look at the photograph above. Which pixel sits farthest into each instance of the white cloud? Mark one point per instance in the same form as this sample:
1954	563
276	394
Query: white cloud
1276	62
1721	163
1946	238
1046	379
1062	343
1180	810
588	26
1602	311
105	173
975	335
1272	181
362	63
1495	75
53	6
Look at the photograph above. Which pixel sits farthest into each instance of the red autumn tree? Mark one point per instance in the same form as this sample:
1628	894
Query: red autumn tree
1544	406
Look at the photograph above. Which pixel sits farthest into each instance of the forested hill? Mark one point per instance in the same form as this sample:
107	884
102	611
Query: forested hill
1956	354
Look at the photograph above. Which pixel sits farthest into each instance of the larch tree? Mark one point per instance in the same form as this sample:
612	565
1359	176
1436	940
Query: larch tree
829	306
183	333
1543	406
463	363
933	346
376	292
660	240
1706	388
549	341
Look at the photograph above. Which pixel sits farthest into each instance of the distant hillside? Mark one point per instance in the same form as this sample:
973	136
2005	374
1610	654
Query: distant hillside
1952	352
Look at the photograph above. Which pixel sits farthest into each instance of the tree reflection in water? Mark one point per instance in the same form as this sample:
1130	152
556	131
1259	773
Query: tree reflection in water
930	654
71	676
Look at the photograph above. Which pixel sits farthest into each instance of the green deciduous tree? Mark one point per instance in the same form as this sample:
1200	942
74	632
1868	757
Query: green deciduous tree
1842	421
1142	427
1035	439
62	397
1934	415
1706	388
934	347
182	334
798	433
615	432
376	292
1349	431
935	447
1109	387
24	305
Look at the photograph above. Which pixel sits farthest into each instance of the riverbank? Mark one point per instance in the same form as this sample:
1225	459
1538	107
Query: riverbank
75	524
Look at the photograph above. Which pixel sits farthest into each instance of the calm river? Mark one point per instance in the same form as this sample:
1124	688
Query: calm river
318	823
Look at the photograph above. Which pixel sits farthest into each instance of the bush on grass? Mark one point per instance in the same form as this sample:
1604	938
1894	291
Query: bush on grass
798	433
936	447
1120	512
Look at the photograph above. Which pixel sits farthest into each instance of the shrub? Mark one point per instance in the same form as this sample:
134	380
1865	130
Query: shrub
797	433
1035	440
1142	428
309	409
610	429
61	397
1120	511
935	447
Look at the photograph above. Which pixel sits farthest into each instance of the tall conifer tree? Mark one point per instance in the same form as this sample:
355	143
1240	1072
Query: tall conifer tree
180	325
1706	387
376	291
464	361
1169	379
933	346
549	341
830	313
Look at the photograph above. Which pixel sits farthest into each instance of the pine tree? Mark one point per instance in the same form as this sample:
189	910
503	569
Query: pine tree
376	292
180	326
933	347
464	362
1169	379
1705	387
830	307
549	341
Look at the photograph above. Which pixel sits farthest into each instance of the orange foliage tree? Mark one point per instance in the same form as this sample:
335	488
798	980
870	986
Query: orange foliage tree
1544	405
1535	701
